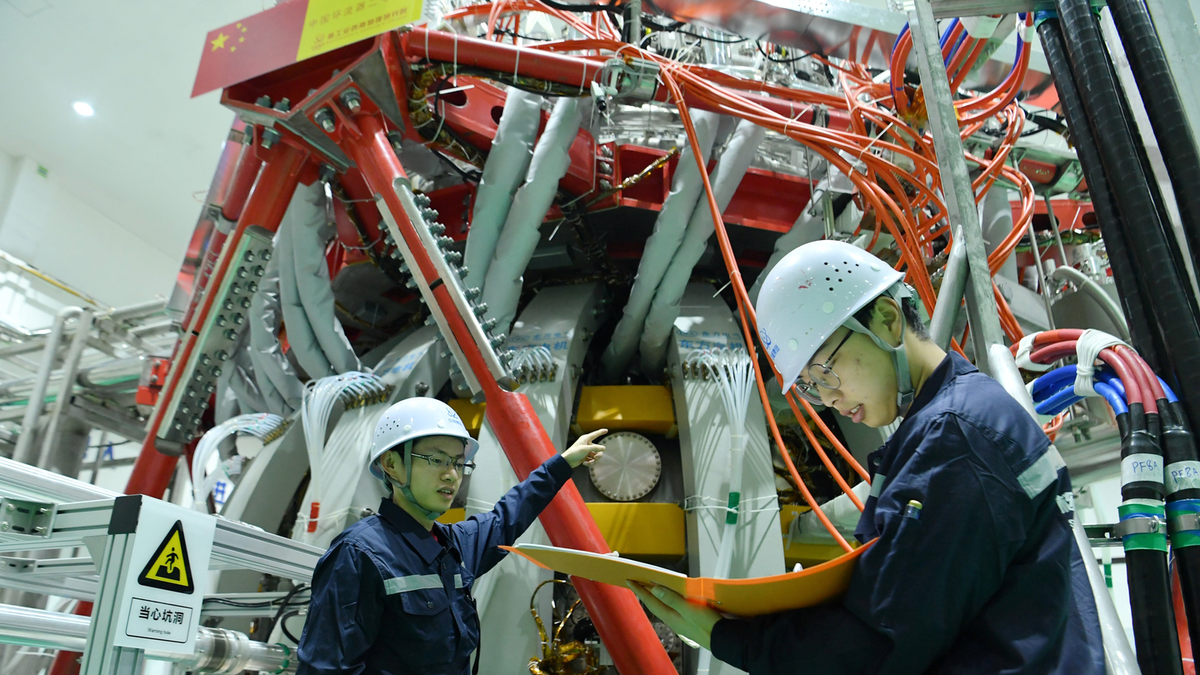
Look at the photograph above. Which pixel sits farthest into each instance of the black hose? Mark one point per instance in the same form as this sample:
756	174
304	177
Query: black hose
1183	498
1155	635
1170	302
1129	286
1165	110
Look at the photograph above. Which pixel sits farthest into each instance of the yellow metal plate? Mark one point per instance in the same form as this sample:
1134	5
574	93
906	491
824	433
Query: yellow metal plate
646	408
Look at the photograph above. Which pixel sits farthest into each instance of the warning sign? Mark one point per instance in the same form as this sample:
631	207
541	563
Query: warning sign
169	569
166	579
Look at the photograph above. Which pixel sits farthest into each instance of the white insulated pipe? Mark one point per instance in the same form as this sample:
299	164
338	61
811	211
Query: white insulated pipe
83	329
1097	292
728	174
505	169
307	299
277	380
522	228
218	650
669	227
25	451
309	240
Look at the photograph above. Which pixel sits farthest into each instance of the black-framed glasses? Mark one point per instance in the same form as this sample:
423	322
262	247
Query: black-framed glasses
821	375
462	467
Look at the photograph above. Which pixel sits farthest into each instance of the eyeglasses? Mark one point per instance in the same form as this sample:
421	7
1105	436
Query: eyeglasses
821	375
462	468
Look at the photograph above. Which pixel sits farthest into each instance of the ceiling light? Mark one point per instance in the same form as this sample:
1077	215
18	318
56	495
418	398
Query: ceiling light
84	109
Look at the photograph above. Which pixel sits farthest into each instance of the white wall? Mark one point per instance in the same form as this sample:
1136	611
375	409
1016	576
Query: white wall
57	233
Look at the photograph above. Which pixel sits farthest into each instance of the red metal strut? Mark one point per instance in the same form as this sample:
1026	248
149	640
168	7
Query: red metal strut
617	614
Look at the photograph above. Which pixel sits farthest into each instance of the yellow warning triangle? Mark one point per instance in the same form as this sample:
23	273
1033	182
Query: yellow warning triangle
169	568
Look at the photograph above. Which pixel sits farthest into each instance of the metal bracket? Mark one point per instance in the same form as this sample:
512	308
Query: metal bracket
1140	525
632	79
27	517
1185	522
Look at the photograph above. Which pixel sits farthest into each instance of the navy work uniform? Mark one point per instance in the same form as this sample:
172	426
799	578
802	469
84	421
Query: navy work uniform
976	568
390	597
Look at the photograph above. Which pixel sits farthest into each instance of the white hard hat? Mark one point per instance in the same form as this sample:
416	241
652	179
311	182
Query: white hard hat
415	418
810	293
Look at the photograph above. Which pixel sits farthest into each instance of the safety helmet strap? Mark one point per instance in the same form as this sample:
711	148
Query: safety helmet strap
904	387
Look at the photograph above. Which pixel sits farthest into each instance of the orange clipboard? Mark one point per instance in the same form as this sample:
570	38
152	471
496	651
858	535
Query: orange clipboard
746	597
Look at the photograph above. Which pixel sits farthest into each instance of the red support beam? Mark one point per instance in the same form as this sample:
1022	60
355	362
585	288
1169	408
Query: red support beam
265	208
617	614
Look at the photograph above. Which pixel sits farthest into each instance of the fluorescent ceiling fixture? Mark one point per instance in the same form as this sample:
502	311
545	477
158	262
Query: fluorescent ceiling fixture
84	109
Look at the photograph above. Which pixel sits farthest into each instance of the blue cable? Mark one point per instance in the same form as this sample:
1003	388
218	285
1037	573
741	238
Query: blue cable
1020	43
1115	401
961	39
946	35
1048	384
1171	397
897	86
1110	378
1060	401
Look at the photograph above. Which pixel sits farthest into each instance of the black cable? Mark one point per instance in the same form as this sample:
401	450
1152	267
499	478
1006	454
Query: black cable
1155	634
1103	203
568	7
1165	110
758	44
284	605
677	25
283	625
513	33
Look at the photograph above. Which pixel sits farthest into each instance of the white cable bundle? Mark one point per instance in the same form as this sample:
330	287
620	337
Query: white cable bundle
533	364
328	461
733	374
259	425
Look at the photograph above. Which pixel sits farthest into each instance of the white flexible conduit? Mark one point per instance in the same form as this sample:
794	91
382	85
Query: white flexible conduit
506	166
733	374
686	188
810	226
1097	292
277	381
521	234
307	298
259	425
731	167
335	468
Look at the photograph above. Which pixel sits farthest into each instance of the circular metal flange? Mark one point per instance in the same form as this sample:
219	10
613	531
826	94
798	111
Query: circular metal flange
629	468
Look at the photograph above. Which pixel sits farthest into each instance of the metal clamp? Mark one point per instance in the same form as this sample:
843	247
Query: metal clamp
27	517
1140	525
1185	522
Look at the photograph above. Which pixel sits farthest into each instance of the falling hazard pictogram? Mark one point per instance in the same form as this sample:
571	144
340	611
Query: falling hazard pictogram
169	568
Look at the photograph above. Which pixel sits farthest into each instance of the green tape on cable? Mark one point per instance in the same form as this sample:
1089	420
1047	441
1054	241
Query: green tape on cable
1183	538
1149	541
734	499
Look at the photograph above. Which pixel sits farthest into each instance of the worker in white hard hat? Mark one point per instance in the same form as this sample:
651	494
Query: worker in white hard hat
974	568
393	593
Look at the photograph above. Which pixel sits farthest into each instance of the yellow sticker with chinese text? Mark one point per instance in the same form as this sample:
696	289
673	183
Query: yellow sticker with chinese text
329	24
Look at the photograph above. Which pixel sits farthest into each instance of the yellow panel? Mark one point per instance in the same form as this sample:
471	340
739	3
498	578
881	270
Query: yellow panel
453	516
646	408
471	414
805	554
636	530
642	529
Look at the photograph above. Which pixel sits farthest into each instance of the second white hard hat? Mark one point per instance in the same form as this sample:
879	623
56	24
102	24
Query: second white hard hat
810	293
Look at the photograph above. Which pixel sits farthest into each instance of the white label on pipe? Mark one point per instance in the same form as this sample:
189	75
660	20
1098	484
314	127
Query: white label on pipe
1183	476
1142	467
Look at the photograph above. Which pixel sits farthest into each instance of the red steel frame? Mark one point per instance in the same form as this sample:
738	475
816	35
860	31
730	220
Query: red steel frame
265	179
617	614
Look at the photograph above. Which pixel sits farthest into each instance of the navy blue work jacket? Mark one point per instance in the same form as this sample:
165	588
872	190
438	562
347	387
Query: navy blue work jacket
391	598
984	577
